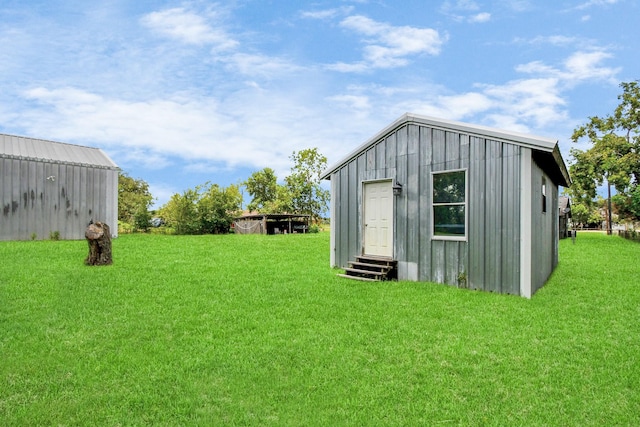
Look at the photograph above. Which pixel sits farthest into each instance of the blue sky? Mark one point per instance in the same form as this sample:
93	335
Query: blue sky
179	93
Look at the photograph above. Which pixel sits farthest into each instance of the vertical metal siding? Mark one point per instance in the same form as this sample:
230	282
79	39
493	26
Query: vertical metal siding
477	204
34	206
545	226
490	257
352	206
401	209
412	189
425	157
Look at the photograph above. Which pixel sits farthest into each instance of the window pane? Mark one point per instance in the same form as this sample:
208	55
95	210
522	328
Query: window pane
448	187
448	220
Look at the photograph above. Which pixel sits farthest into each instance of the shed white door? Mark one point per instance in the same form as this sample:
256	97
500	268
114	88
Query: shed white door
378	218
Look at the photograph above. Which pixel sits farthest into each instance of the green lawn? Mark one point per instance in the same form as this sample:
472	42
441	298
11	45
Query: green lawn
257	330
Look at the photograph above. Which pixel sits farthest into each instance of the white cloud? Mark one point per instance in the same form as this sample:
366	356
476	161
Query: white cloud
555	40
579	66
260	65
586	66
480	17
462	5
464	11
188	27
592	3
326	13
254	128
387	46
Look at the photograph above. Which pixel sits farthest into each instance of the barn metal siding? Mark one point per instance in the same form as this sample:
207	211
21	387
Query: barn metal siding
545	229
493	255
410	154
41	194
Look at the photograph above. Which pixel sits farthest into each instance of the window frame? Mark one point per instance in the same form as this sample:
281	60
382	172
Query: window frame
465	204
544	194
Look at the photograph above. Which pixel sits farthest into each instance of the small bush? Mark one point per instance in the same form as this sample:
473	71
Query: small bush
34	236
124	228
54	235
314	228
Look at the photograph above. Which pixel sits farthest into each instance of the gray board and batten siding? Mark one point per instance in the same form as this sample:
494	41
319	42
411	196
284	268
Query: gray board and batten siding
50	187
510	245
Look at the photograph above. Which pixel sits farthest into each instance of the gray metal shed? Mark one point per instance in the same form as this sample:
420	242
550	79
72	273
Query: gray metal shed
451	202
50	187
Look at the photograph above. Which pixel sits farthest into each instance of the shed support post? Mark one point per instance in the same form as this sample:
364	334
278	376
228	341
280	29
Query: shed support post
525	222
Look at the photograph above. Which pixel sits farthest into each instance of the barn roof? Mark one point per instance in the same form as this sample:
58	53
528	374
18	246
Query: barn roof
19	147
546	150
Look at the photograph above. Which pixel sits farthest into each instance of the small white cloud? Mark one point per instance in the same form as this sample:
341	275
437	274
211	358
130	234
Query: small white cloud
388	46
556	40
326	13
459	5
188	27
260	65
355	67
480	18
592	3
354	103
586	66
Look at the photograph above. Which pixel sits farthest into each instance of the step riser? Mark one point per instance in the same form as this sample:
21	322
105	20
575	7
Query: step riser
368	268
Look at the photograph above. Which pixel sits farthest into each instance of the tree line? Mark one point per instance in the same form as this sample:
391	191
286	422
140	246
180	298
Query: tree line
211	209
612	160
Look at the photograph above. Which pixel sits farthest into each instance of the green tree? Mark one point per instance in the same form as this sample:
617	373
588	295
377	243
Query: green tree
181	213
142	219
303	184
614	157
217	208
281	203
263	188
133	198
205	209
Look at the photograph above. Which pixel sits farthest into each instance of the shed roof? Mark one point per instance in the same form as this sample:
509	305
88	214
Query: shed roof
19	147
564	205
273	216
548	153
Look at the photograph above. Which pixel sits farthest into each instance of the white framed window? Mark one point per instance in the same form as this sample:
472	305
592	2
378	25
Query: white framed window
449	210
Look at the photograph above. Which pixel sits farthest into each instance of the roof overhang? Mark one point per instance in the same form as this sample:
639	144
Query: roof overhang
553	163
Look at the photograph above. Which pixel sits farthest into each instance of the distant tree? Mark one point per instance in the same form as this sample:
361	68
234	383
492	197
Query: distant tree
133	198
614	157
142	219
181	213
217	208
205	209
263	188
281	203
303	184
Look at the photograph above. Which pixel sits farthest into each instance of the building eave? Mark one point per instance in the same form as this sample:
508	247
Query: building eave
536	143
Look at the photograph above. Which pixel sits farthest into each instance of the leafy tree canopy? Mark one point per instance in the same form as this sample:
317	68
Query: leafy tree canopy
206	209
307	196
614	155
134	198
263	188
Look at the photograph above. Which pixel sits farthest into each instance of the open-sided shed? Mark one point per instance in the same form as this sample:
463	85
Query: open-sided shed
54	188
451	202
271	224
564	216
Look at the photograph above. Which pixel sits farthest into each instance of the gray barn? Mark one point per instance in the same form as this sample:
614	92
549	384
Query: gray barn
50	187
452	203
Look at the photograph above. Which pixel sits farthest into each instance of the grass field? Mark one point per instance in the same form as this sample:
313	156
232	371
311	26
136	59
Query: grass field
257	330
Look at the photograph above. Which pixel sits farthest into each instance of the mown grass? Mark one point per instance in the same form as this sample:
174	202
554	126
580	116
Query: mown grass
257	330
